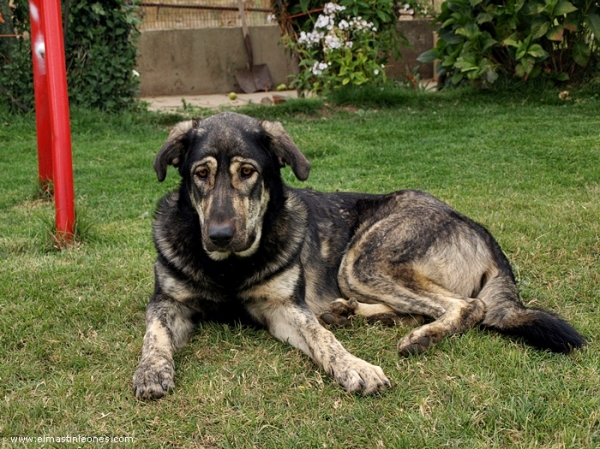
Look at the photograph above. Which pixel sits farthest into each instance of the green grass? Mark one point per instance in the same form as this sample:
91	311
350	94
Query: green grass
72	321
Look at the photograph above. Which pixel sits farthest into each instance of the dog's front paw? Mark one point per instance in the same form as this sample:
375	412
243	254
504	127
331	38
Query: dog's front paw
340	311
153	378
356	375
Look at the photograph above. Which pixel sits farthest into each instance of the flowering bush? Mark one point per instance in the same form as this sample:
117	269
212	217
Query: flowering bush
342	49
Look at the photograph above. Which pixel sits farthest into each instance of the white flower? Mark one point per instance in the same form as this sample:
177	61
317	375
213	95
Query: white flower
318	68
332	42
332	8
315	69
376	72
358	24
349	44
323	21
271	18
136	73
311	39
343	25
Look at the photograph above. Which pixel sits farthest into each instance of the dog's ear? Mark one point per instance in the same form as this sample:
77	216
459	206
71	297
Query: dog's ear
286	150
174	149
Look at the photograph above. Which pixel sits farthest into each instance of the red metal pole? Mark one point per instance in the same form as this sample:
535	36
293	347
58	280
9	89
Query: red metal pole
59	120
40	83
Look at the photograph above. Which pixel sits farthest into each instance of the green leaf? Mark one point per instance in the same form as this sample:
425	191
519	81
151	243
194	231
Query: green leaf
455	5
484	17
98	9
470	31
382	15
534	8
581	53
593	21
512	41
535	72
304	5
450	37
539	27
448	62
563	7
427	56
562	77
457	78
550	6
488	42
556	33
466	64
450	21
528	65
537	51
521	51
572	22
519	5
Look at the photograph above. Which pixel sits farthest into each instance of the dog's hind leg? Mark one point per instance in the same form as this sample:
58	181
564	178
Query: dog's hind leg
407	291
456	315
342	310
168	326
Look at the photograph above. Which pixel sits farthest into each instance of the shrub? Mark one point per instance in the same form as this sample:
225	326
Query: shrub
482	39
16	72
100	56
345	44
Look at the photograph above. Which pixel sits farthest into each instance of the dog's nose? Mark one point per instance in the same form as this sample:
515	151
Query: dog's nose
221	234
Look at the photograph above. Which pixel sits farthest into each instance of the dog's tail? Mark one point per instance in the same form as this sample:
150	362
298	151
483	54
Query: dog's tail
539	328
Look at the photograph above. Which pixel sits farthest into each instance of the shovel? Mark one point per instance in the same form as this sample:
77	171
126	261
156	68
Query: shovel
254	77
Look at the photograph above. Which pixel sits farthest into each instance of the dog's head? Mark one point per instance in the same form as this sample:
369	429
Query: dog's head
228	163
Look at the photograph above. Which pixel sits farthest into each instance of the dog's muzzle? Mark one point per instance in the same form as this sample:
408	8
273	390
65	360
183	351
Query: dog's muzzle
221	234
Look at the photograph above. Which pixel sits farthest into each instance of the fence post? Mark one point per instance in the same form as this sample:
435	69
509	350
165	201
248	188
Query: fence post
53	122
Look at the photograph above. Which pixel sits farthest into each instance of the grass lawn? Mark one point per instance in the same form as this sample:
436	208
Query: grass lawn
72	321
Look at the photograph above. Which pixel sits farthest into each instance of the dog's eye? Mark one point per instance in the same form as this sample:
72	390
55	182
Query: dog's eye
202	172
246	171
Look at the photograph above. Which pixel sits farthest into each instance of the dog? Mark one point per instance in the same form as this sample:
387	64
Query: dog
234	241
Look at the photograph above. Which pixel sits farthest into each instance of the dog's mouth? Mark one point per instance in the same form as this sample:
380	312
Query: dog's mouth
243	247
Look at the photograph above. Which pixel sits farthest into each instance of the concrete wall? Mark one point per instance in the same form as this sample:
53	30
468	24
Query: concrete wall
204	61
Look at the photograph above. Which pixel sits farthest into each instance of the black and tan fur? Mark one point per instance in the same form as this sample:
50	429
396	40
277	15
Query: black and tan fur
235	241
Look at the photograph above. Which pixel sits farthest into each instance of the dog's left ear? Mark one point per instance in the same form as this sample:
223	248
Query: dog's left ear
174	149
286	150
